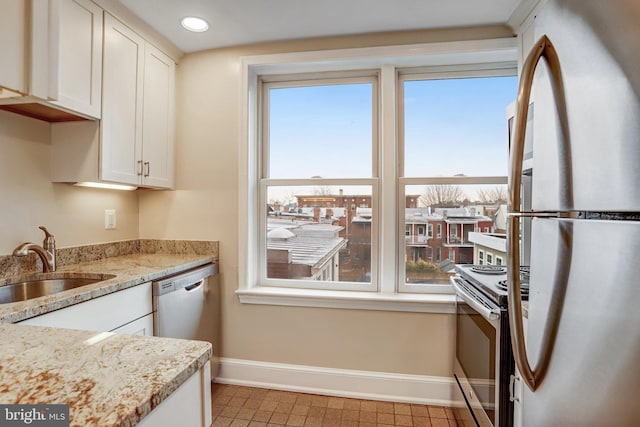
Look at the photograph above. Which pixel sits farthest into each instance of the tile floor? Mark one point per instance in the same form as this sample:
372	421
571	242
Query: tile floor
237	406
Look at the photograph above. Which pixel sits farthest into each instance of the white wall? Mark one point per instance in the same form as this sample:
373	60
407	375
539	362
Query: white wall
28	198
204	206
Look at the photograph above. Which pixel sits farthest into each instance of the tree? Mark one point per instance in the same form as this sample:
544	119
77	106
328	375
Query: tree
496	195
442	196
322	190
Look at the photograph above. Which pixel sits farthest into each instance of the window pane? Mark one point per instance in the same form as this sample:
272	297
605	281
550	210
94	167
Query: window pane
319	233
467	218
321	131
457	126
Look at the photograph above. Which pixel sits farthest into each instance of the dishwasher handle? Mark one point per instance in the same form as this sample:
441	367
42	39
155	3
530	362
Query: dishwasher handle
186	279
193	286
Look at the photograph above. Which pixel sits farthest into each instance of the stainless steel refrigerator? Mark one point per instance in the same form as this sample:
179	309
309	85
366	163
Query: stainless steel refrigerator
581	360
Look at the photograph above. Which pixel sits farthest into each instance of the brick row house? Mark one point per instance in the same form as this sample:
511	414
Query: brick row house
433	235
442	233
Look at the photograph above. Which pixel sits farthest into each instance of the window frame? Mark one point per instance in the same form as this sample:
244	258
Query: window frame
475	70
266	83
389	62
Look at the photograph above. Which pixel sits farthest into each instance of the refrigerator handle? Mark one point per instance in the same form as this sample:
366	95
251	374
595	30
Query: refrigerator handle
543	47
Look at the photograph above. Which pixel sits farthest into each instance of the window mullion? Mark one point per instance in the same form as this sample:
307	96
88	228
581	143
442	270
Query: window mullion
387	200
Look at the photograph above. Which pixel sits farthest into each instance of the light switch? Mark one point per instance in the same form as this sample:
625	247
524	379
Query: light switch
109	219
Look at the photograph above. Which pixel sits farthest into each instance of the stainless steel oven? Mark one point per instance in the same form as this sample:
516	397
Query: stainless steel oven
484	362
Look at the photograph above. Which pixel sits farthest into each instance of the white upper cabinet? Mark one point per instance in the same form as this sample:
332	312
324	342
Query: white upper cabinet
138	110
79	56
13	45
134	142
121	128
52	58
158	118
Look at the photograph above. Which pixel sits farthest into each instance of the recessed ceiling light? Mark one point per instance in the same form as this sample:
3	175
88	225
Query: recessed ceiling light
194	24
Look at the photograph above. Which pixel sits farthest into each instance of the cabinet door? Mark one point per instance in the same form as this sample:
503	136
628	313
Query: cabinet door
13	45
121	128
79	59
188	406
106	313
158	118
142	326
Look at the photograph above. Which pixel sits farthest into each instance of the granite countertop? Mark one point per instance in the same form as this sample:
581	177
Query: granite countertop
107	379
112	380
130	270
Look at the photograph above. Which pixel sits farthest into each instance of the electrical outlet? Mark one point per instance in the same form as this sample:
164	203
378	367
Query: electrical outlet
109	219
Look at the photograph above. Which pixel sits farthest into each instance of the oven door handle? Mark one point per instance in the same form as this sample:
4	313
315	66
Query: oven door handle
488	313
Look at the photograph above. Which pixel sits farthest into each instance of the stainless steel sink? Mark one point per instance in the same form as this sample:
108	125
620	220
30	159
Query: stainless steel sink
41	284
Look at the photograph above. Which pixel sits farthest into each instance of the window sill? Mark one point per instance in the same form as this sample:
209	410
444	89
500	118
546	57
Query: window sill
419	303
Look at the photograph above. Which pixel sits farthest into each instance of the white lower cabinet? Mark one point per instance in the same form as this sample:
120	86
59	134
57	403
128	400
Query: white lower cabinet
107	313
142	326
188	406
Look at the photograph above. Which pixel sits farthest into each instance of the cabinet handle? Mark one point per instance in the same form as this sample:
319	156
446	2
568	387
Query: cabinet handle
139	167
148	169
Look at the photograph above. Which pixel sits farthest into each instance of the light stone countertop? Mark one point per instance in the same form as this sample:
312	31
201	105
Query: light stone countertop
107	379
130	270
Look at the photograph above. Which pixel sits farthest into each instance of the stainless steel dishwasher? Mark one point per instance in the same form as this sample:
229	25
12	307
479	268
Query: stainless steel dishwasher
187	305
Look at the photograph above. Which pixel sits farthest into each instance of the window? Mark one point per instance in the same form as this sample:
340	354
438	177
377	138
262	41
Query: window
318	150
498	260
346	151
489	258
480	257
454	110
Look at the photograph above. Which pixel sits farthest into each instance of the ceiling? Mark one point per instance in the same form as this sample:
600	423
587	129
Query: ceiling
236	22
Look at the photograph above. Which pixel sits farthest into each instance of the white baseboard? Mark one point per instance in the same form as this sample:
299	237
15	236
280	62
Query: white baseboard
369	385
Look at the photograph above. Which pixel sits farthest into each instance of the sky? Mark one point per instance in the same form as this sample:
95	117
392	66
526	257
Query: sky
457	126
452	126
321	131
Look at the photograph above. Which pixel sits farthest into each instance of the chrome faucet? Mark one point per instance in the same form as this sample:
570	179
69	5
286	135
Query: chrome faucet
46	252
